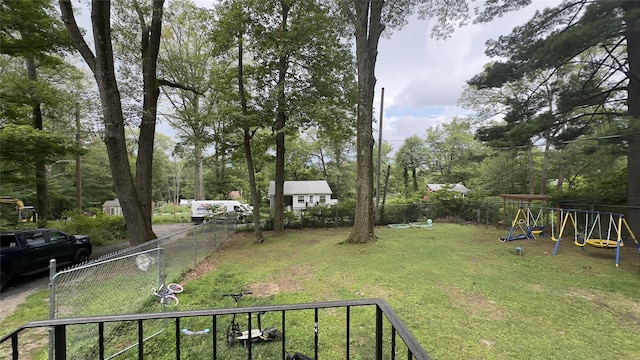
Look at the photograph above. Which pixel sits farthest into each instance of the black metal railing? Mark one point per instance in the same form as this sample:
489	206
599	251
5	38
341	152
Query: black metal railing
386	345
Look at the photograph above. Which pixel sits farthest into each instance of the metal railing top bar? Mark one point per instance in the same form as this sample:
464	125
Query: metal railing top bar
208	312
404	333
401	329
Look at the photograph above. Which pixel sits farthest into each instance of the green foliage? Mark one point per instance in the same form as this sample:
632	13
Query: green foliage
401	213
611	189
412	157
31	28
325	217
103	229
318	217
170	214
23	146
453	152
446	204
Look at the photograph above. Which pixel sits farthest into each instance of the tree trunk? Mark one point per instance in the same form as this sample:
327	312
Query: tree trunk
198	149
150	44
198	185
632	33
561	175
543	174
368	28
405	179
102	66
281	119
532	177
40	167
253	188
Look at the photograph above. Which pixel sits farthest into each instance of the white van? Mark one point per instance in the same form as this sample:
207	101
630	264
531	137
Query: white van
203	208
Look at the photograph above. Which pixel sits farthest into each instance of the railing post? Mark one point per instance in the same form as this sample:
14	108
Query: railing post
214	348
141	340
347	350
177	329
14	346
61	342
52	303
315	330
284	332
249	338
378	333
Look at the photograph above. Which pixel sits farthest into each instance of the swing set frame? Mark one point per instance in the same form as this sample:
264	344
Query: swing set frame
615	224
595	228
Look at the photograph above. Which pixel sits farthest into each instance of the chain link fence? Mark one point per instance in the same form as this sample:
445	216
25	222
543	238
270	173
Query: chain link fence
122	282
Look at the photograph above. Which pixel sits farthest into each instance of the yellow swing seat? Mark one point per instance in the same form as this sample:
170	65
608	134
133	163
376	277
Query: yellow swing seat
604	243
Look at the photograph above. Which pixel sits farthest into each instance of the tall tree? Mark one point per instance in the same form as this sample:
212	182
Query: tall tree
594	34
132	194
32	31
231	34
453	150
302	62
187	59
411	157
369	19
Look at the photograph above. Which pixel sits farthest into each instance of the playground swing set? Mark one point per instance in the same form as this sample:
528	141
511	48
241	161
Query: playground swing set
594	228
529	222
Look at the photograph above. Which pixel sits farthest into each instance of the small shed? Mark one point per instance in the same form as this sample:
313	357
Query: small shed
112	207
299	195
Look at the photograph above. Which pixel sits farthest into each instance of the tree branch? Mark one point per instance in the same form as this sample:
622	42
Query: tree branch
77	39
165	82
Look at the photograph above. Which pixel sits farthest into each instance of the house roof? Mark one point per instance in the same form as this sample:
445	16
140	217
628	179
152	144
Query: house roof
302	187
453	187
112	203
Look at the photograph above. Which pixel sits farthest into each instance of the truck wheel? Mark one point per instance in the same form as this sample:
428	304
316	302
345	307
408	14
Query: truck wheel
81	256
4	280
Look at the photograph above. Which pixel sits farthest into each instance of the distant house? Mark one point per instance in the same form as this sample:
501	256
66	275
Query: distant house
112	207
459	188
299	195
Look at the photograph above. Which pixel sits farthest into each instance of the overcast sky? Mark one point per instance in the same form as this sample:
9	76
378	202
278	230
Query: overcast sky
424	77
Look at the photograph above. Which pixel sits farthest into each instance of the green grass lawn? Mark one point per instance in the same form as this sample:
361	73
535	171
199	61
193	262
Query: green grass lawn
460	291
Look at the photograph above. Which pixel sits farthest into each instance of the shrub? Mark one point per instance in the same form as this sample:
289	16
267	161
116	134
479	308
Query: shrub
401	213
103	229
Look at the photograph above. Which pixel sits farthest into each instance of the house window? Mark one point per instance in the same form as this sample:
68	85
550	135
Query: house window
300	199
311	199
323	199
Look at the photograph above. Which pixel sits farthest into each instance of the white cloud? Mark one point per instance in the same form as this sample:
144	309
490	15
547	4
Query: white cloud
424	77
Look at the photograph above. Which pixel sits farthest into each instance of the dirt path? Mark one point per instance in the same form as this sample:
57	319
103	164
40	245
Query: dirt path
27	285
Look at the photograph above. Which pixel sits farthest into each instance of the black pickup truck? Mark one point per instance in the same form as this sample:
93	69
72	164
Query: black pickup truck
24	252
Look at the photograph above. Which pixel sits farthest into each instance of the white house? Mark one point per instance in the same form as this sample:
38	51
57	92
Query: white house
112	207
299	195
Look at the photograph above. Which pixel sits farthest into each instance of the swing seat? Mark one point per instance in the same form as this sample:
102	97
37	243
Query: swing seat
604	243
